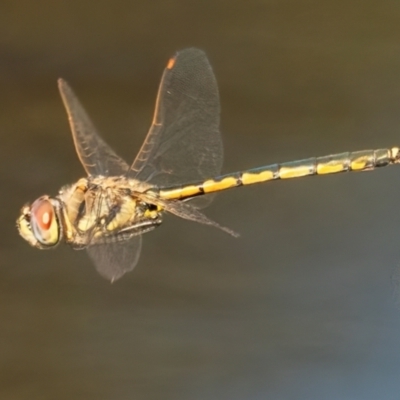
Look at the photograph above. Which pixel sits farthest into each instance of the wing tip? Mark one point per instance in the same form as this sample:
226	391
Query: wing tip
61	83
63	87
171	62
112	278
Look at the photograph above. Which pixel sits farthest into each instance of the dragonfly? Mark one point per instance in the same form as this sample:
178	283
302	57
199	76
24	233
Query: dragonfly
177	171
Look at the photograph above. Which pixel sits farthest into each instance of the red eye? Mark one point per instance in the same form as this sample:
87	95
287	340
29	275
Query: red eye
44	223
42	212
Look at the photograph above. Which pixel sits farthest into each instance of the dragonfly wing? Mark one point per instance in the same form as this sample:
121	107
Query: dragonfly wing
114	259
185	211
95	154
183	143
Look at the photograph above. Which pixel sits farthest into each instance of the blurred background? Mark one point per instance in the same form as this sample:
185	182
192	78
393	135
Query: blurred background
302	305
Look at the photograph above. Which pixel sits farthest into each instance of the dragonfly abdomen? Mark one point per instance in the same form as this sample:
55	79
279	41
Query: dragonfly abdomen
364	160
197	189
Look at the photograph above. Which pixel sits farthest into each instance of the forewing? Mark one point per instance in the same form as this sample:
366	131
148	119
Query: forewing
94	153
114	259
184	143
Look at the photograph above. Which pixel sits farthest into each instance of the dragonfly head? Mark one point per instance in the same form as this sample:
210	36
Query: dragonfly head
40	224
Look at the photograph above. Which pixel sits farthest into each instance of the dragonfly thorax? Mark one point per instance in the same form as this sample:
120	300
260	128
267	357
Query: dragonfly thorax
94	210
102	209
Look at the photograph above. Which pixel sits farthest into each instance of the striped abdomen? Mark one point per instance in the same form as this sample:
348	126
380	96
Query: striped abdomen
365	160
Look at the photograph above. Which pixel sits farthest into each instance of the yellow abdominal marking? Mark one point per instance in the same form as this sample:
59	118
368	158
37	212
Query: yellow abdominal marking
359	163
294	172
178	193
331	167
249	178
215	186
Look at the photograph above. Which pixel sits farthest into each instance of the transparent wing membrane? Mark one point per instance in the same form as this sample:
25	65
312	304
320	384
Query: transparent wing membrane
111	259
365	160
180	160
95	154
183	143
114	259
185	211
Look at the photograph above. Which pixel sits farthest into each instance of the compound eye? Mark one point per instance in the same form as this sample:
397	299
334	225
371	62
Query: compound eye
44	222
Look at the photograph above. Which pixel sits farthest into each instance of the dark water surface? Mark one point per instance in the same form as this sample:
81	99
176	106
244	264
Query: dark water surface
299	307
